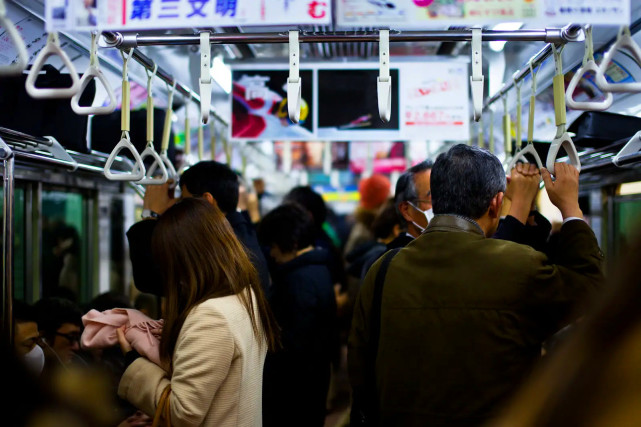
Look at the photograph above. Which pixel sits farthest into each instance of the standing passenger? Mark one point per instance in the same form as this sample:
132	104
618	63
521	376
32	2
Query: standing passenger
302	299
217	325
210	180
462	317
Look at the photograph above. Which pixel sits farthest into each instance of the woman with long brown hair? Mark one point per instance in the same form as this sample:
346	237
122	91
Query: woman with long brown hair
217	324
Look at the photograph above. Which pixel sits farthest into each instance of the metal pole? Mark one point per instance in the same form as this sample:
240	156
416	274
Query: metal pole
549	35
6	154
572	31
139	57
607	164
149	64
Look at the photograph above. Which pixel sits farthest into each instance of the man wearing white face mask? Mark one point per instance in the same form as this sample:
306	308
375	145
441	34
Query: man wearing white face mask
26	337
413	202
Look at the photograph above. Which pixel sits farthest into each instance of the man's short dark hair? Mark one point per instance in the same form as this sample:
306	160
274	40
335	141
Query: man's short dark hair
53	312
406	187
464	180
214	178
289	226
310	200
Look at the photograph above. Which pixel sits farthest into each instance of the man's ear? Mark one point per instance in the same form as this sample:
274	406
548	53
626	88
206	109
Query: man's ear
404	207
207	196
495	205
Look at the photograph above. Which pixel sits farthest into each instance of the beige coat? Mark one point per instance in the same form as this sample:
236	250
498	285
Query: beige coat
218	370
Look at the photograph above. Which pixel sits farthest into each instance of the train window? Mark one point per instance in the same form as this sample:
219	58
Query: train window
627	211
19	242
65	254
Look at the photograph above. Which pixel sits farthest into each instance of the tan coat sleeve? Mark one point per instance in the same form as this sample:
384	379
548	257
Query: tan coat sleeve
202	359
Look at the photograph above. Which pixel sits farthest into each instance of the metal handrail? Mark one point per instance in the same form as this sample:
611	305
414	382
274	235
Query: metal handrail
133	40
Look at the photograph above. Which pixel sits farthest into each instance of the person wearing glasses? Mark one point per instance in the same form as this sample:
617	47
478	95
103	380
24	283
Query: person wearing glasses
60	323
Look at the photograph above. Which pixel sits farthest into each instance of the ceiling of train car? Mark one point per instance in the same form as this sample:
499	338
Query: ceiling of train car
183	61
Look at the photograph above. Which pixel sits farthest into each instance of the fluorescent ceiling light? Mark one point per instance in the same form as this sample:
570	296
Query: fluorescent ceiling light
221	73
504	26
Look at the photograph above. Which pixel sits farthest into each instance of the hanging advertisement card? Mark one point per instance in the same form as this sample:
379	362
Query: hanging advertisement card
348	105
435	101
403	14
81	15
259	105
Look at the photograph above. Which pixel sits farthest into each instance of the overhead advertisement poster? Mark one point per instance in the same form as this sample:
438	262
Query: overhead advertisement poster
431	101
259	105
339	102
348	105
163	14
437	13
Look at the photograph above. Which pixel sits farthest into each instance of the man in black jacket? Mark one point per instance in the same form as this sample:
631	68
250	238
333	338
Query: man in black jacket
216	183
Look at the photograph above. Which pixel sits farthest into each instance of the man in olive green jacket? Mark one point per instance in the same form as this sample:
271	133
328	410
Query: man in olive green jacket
463	316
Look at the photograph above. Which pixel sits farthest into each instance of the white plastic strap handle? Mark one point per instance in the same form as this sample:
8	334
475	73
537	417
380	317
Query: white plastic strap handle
149	149
138	171
562	138
294	81
205	77
588	65
166	132
633	146
14	37
94	71
477	79
624	40
384	85
51	48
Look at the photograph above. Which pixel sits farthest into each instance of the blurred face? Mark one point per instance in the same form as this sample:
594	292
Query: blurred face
26	337
279	256
66	342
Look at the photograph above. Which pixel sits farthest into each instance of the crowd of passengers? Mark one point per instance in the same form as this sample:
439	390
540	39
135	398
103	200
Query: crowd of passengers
444	294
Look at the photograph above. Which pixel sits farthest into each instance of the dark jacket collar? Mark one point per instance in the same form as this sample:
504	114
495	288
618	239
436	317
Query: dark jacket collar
449	222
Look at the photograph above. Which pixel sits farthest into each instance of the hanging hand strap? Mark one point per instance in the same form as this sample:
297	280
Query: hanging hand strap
187	126
13	35
562	139
150	151
529	148
491	137
588	65
201	142
138	171
477	79
384	82
205	77
624	40
166	133
507	126
51	48
519	112
94	72
294	81
212	139
479	141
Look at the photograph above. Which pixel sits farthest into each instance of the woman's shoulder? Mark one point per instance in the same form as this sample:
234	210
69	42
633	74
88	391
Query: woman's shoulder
228	308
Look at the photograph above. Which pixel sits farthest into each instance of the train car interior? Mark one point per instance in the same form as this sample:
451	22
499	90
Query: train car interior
101	100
